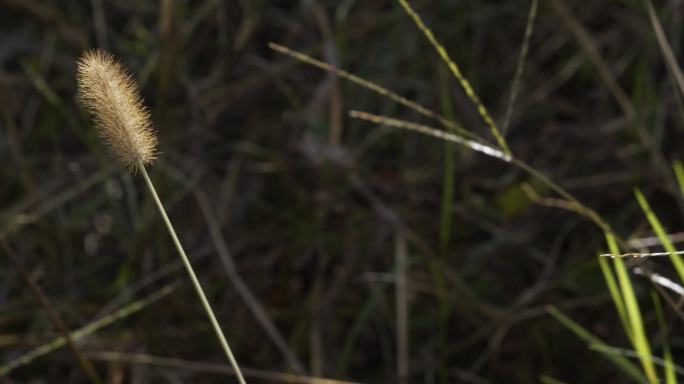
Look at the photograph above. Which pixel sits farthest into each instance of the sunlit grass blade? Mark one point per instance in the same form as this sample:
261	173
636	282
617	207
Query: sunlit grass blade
660	232
374	87
476	142
475	146
456	71
638	334
578	206
615	294
622	362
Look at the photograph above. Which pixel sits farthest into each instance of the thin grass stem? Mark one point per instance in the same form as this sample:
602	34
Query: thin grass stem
85	330
52	313
371	86
456	71
193	277
401	296
424	129
571	202
521	66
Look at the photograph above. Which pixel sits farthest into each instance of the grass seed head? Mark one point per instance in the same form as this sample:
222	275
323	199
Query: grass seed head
110	94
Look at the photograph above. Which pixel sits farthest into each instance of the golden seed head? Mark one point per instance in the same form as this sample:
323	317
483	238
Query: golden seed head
110	94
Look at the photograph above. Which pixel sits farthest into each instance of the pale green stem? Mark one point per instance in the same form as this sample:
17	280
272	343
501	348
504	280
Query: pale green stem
191	272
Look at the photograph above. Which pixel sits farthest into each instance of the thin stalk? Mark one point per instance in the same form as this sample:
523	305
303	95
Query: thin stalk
402	309
529	27
84	331
52	313
193	277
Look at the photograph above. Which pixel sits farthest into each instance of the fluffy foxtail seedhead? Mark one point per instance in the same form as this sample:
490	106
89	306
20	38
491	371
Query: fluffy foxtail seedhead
110	94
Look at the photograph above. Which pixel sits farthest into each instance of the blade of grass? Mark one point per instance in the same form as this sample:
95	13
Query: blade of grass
545	379
612	351
456	71
586	42
444	227
679	174
382	91
639	339
620	361
191	273
478	143
400	261
87	330
52	313
665	47
352	336
449	167
674	70
198	366
529	27
668	366
660	232
490	151
475	146
241	287
615	295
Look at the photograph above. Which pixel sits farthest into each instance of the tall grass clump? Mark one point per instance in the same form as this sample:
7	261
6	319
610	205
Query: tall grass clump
110	94
616	273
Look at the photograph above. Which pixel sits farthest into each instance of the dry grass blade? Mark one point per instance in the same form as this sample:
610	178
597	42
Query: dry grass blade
86	330
377	89
475	146
191	273
665	47
52	313
241	287
529	27
639	254
400	256
15	218
572	202
569	202
456	71
591	50
169	362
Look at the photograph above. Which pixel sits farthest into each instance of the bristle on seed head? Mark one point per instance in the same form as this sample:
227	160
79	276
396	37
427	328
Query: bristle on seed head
110	94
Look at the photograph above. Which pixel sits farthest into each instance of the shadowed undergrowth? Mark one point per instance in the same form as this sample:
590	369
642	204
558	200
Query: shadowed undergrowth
357	251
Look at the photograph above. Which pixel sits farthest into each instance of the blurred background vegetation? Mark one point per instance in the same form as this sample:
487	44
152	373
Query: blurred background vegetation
295	215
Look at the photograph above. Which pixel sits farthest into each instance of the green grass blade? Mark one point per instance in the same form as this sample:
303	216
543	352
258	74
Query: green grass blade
639	339
660	232
679	173
622	362
545	379
668	366
615	294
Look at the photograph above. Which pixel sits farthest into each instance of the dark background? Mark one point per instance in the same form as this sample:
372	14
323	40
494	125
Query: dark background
311	203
